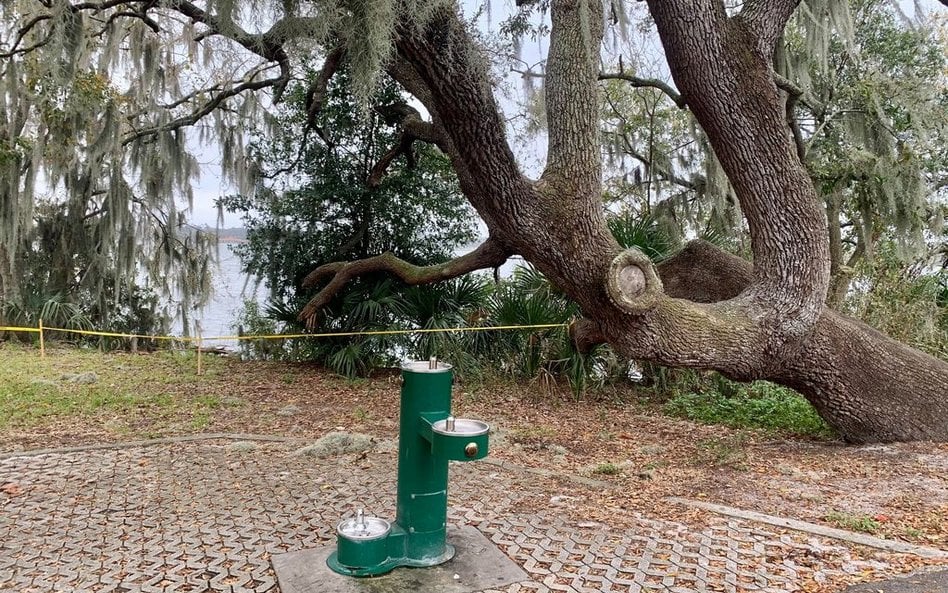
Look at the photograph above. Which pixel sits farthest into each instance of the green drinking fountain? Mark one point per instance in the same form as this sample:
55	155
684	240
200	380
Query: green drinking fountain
429	436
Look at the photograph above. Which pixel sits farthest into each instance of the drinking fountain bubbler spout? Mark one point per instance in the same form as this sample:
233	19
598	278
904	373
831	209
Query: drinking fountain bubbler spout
429	436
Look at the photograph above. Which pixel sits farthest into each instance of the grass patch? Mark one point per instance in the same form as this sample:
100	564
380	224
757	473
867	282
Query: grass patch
760	405
607	469
532	435
360	414
863	523
144	389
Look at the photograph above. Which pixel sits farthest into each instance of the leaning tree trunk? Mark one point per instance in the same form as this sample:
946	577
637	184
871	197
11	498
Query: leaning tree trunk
703	308
866	385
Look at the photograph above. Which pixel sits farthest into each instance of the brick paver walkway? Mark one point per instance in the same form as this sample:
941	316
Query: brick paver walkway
203	516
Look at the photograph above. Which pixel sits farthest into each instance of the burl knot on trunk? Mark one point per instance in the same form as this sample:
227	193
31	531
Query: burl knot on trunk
633	284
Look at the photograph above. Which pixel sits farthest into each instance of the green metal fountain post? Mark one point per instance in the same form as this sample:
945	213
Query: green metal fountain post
428	438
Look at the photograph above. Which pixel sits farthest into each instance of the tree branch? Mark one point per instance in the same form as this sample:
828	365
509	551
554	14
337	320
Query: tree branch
490	254
206	109
412	128
316	93
767	19
315	98
267	45
633	284
142	16
793	96
695	184
21	34
654	83
705	273
574	154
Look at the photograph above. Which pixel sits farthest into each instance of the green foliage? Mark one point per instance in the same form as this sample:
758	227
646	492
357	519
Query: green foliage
878	101
863	523
607	468
71	288
320	209
909	303
317	206
251	321
760	405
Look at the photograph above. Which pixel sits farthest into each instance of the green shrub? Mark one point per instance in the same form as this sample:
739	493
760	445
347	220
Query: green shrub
759	405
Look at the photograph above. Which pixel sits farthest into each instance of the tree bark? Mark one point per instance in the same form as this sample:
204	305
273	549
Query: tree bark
866	385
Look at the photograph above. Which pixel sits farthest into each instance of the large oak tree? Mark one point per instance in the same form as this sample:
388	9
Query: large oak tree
702	308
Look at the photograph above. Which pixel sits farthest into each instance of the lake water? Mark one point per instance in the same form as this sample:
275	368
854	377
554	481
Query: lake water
231	289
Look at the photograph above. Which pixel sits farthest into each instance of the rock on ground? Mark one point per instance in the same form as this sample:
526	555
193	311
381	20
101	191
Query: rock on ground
336	443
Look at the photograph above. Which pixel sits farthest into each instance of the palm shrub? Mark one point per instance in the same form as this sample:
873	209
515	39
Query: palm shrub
368	305
456	303
527	298
53	308
643	233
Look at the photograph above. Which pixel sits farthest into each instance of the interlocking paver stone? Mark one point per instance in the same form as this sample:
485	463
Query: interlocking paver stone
199	517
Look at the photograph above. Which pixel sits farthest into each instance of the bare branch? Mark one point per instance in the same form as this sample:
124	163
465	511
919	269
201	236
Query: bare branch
787	85
412	128
267	45
794	93
490	254
767	19
205	109
143	17
695	184
22	32
654	83
316	93
26	50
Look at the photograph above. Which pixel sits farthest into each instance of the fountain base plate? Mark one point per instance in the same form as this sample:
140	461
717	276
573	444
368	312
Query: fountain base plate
478	564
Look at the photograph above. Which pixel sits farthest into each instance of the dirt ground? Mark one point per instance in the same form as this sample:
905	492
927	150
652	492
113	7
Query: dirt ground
637	456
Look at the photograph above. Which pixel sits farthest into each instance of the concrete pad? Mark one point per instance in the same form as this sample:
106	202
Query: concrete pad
922	582
478	564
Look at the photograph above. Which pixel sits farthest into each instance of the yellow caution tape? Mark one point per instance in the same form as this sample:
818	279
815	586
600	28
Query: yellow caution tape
390	332
291	336
89	332
4	328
